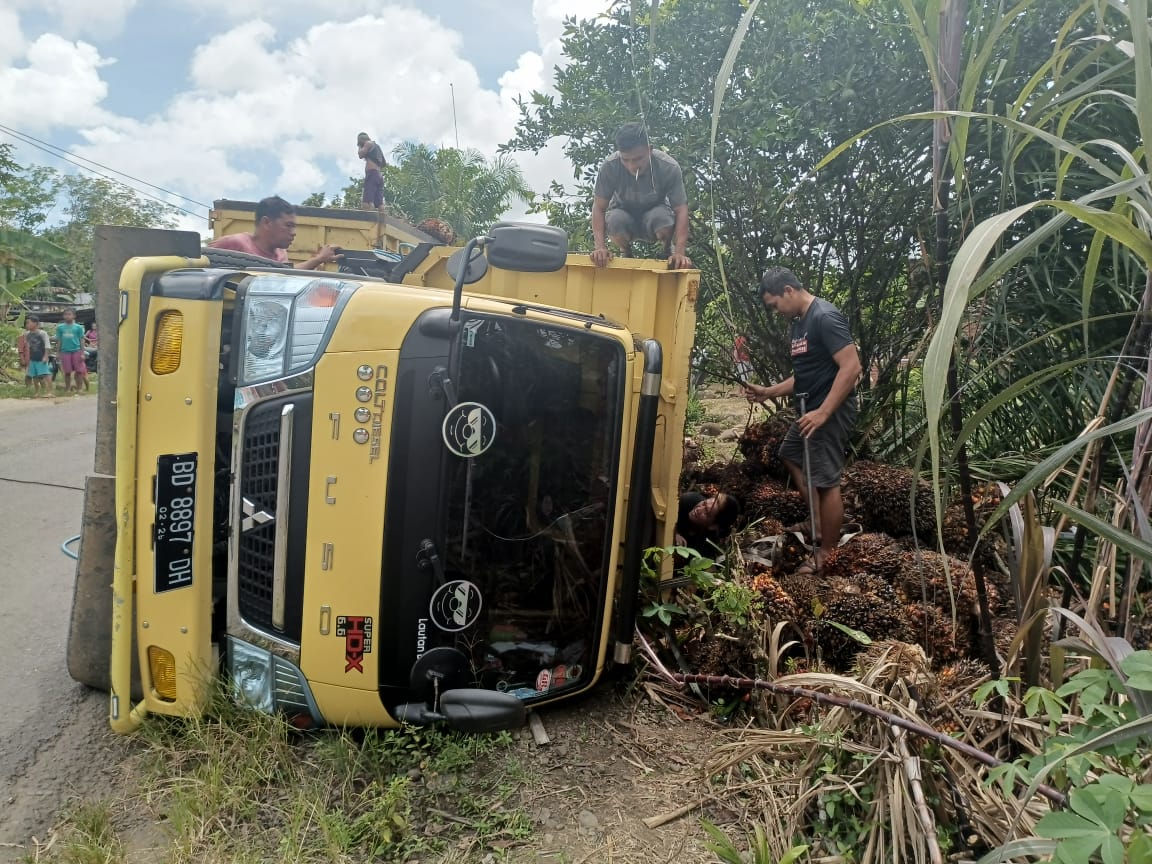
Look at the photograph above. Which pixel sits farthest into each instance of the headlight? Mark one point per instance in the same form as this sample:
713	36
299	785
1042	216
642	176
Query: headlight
286	319
250	669
267	682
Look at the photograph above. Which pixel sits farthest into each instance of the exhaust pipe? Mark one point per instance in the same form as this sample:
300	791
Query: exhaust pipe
638	499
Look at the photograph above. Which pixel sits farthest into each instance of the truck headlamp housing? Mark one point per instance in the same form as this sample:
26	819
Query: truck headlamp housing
286	319
250	669
269	683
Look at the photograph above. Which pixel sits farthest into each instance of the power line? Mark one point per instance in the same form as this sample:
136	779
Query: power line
64	155
32	138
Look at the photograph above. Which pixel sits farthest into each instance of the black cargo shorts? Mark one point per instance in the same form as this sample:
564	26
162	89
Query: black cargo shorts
825	448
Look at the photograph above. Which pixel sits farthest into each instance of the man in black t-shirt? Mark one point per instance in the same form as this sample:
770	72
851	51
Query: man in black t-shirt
825	366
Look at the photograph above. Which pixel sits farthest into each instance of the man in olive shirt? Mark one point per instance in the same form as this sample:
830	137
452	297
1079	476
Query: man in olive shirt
640	194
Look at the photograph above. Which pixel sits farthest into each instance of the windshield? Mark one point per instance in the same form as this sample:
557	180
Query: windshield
529	501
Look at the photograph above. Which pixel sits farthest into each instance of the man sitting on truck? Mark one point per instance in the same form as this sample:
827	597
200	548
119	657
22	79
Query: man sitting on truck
640	195
275	231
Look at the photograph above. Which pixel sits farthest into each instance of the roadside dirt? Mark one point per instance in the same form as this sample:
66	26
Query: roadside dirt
54	738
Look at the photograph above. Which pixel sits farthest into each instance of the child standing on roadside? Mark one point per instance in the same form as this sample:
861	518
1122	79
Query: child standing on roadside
70	339
34	347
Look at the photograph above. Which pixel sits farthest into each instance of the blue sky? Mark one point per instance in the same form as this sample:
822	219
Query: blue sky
244	98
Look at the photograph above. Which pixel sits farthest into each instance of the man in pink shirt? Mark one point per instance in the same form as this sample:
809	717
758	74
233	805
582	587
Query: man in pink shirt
275	231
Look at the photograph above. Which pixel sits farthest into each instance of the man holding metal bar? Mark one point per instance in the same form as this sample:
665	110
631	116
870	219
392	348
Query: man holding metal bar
826	366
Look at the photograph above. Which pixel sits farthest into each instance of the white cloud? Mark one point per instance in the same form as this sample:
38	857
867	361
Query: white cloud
57	84
265	108
534	72
298	105
11	38
241	9
91	18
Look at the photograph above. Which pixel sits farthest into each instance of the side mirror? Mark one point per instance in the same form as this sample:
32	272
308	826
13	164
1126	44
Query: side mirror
467	709
475	710
477	265
527	246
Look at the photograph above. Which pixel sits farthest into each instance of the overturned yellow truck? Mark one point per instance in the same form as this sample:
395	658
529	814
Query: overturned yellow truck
420	496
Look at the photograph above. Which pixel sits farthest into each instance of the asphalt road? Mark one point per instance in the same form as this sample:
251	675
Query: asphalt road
54	739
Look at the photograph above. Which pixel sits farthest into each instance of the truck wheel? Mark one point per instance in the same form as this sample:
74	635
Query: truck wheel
234	260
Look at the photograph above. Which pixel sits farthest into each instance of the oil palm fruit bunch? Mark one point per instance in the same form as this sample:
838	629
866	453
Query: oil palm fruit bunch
710	656
956	539
889	660
760	445
807	595
727	477
439	229
879	496
770	499
921	577
867	605
933	628
790	553
871	553
778	603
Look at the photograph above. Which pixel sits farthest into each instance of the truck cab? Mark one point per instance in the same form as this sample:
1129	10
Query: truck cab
370	502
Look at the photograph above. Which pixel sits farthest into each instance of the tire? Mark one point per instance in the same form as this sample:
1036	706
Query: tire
233	260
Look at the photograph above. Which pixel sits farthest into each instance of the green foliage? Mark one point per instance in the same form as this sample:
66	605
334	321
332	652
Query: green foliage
759	849
90	836
91	201
695	412
843	817
238	785
696	569
461	187
805	77
26	194
1099	755
733	602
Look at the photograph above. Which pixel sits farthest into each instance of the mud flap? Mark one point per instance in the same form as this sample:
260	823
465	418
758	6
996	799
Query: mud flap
90	626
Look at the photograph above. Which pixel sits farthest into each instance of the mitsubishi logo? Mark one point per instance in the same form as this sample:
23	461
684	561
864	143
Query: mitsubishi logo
253	517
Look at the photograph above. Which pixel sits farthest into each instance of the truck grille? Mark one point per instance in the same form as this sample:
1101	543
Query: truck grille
259	458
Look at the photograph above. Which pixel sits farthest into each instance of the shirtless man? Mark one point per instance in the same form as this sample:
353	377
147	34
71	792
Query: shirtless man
373	156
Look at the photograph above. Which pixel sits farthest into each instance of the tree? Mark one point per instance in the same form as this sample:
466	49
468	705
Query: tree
807	76
26	195
91	201
461	187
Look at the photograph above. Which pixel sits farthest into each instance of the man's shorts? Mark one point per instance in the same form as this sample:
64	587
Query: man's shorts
72	361
39	369
825	447
373	188
639	226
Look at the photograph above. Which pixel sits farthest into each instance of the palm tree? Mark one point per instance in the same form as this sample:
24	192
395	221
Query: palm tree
461	187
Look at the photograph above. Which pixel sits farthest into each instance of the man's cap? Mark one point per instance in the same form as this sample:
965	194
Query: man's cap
363	136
